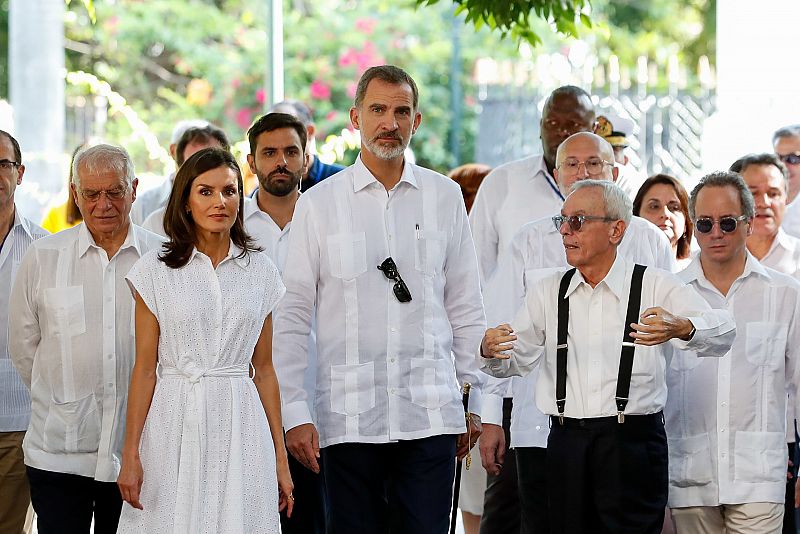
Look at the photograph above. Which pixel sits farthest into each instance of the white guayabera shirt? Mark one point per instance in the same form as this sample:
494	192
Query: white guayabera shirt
386	370
537	246
71	337
594	339
15	402
726	418
511	195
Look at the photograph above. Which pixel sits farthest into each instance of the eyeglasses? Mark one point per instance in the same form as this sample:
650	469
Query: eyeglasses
791	159
593	166
389	268
576	221
727	224
93	195
6	166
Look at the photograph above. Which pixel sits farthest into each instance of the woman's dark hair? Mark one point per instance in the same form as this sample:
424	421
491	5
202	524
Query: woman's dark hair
178	223
684	241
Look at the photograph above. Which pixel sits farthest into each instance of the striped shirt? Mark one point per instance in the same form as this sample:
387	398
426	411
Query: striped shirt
15	402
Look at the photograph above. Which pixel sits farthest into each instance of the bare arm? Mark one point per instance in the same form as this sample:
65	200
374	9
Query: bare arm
266	382
140	396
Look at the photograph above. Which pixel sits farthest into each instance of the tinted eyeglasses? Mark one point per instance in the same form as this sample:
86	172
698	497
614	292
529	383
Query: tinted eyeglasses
575	222
791	159
727	224
389	268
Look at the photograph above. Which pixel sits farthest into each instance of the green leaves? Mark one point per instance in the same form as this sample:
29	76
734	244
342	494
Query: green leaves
512	18
89	5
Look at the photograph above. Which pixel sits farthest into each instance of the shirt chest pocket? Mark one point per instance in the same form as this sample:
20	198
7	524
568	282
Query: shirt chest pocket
766	344
429	252
65	308
347	255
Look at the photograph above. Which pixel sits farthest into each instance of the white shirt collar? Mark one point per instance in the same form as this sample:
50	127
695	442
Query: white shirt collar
362	177
86	240
751	267
234	254
614	279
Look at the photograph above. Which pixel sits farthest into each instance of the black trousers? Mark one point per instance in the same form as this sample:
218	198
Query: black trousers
65	504
789	523
501	506
533	491
398	488
607	477
308	516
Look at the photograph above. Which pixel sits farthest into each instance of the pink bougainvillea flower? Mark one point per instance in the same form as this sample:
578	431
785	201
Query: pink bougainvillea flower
261	95
330	115
351	89
244	117
366	25
235	83
320	90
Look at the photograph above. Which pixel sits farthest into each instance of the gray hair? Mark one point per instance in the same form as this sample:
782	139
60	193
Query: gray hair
741	164
617	203
103	158
793	130
725	179
389	74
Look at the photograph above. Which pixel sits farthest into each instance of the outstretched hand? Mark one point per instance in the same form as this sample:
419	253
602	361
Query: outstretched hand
657	325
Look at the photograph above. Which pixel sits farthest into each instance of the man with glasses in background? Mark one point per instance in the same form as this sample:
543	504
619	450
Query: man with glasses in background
381	253
15	403
71	339
786	143
538	245
726	417
598	334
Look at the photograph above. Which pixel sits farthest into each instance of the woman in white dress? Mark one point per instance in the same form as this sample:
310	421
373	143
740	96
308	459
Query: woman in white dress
204	449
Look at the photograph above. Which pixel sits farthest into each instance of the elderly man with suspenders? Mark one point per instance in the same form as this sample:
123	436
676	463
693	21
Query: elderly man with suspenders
598	333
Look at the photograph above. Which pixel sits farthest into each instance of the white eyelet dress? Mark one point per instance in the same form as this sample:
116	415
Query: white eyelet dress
206	449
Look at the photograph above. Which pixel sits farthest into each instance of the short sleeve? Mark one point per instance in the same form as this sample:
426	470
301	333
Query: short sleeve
273	288
140	279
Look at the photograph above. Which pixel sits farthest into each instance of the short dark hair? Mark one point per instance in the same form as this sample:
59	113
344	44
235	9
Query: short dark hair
389	74
725	179
685	241
295	108
765	158
200	134
14	144
275	121
569	90
793	130
179	225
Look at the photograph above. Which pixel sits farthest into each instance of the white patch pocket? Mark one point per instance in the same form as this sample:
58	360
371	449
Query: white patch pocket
760	456
72	426
352	388
429	251
689	461
432	383
347	255
65	310
766	344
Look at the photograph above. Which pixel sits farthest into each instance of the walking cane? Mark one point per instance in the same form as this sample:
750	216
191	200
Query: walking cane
457	485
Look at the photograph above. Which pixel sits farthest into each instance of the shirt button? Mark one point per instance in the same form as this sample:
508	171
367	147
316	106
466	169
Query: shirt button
538	427
109	356
724	403
394	330
391	360
392	391
722	430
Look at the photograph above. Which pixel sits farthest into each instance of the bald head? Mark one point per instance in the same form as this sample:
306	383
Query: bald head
593	155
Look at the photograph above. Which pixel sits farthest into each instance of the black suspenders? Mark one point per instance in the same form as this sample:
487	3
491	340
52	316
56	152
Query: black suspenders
628	348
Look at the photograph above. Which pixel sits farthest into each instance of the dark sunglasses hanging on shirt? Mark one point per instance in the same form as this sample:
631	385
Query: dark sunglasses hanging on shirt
389	269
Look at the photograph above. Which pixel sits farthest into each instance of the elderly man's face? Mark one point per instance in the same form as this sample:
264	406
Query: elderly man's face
769	190
104	199
587	151
386	119
596	239
715	203
10	174
786	146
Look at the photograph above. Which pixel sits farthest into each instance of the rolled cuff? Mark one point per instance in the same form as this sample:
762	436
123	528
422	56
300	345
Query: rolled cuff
295	414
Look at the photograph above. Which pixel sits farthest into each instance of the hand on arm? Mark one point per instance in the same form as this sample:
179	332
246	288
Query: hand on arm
497	341
266	382
140	396
657	326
